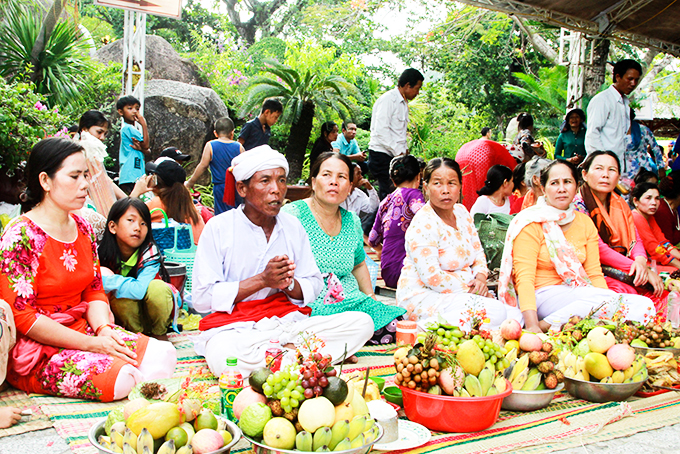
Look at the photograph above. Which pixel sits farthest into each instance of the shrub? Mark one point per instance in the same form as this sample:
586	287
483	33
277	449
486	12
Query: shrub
24	120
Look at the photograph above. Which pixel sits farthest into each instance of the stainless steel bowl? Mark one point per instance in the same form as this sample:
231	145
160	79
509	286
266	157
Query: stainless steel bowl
261	448
98	429
601	392
530	400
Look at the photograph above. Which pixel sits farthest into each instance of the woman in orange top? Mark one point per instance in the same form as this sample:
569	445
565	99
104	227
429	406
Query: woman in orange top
66	345
551	266
646	199
167	183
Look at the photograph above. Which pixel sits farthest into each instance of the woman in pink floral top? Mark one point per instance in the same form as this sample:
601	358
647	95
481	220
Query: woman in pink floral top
445	267
394	216
66	345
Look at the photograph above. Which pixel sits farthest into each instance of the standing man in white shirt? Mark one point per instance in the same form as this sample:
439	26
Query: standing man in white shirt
388	127
609	112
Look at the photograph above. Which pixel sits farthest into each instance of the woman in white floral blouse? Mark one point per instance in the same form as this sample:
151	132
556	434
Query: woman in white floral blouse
445	267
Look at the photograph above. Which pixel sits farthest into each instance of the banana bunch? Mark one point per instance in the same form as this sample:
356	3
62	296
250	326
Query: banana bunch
488	382
636	372
342	436
575	367
534	371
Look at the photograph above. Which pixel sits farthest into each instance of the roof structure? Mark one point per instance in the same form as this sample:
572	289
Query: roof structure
645	23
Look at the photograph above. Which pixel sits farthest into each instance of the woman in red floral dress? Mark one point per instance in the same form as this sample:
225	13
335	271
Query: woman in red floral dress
49	274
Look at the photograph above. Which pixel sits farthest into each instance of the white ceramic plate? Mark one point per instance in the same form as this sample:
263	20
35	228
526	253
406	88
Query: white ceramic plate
411	435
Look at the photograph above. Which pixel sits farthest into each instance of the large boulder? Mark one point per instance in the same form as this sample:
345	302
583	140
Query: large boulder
181	115
162	61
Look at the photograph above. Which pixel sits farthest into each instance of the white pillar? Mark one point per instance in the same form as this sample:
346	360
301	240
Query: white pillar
134	55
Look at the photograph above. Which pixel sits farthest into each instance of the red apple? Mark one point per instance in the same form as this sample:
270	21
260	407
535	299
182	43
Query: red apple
511	329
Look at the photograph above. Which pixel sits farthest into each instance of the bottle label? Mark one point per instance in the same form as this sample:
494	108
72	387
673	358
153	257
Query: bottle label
230	385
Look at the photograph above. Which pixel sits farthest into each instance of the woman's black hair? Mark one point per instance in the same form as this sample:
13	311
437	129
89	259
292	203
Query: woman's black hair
436	163
327	128
640	189
109	252
92	118
47	156
545	173
495	177
643	175
404	168
591	157
581	115
326	155
524	121
669	186
518	176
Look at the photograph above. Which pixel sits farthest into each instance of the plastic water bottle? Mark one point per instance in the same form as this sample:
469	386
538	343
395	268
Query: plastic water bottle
231	383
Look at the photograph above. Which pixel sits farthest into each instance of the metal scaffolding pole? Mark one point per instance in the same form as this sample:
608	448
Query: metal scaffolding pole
134	53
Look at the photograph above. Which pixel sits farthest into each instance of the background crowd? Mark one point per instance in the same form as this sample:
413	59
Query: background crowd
578	238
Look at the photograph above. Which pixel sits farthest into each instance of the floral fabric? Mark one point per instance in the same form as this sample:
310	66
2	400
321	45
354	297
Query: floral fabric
336	257
639	156
391	223
439	260
41	276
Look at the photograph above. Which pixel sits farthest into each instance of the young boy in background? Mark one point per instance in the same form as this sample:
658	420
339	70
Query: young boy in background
258	130
134	145
218	154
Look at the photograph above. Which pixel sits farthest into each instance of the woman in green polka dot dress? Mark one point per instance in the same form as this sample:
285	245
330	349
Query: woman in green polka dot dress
337	243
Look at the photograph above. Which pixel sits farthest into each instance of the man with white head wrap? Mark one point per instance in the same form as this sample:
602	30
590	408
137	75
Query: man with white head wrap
255	273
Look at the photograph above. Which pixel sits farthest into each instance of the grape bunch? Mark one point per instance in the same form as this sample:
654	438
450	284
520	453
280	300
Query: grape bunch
492	352
449	337
315	370
286	386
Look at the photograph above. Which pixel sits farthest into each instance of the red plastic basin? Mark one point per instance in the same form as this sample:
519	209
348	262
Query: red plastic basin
453	414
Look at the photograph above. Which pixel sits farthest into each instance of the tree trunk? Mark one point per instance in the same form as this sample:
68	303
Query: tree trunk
49	21
300	131
596	75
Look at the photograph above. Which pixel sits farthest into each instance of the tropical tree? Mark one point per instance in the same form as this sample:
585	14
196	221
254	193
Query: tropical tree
34	45
545	96
304	95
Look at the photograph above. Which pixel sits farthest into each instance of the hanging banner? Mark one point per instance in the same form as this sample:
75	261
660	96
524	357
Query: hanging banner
169	8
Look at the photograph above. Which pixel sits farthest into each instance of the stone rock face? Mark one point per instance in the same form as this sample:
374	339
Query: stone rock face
162	61
181	115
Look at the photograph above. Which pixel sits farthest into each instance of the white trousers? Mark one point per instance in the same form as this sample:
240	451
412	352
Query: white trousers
557	303
454	308
159	361
349	329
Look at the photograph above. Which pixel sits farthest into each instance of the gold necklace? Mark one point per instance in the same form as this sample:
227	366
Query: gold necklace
321	222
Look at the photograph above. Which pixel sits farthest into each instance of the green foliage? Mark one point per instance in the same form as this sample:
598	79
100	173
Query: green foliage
227	67
546	98
102	32
477	51
266	48
329	93
24	120
59	69
545	95
101	85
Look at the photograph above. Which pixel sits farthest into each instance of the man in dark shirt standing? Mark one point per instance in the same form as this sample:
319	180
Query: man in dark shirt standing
258	130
